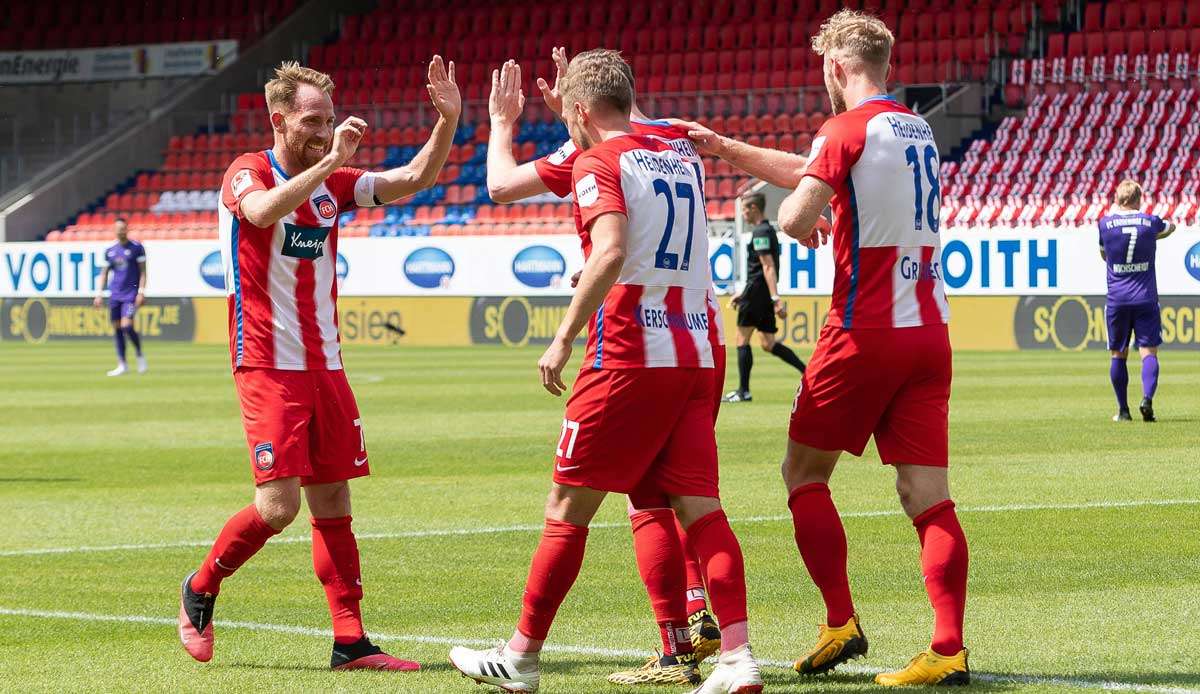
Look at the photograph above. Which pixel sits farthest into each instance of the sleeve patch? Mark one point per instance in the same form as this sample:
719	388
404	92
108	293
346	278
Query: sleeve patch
562	154
762	243
587	191
817	143
241	181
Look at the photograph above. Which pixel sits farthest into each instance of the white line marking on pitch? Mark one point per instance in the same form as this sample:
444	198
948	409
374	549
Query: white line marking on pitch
576	650
453	532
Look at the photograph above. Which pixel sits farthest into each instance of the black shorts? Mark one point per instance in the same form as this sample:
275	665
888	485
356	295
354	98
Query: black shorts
756	310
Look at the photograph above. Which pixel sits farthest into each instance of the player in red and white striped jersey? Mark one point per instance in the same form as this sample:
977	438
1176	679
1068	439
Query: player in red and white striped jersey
882	366
639	420
656	532
278	216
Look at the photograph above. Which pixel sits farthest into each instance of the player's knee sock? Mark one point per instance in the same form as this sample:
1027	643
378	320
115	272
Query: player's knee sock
785	353
135	339
660	563
335	560
243	535
552	572
1149	375
725	574
697	598
944	564
745	363
821	540
1119	375
119	340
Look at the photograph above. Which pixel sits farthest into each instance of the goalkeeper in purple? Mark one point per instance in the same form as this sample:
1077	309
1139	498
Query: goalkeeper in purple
1128	240
125	278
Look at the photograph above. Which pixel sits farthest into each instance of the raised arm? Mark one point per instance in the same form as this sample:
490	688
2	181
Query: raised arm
422	172
508	181
776	167
1170	229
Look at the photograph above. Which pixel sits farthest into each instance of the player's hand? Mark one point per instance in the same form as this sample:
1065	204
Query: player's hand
443	90
819	237
735	300
98	300
574	279
139	300
706	140
551	365
346	138
780	309
507	98
553	95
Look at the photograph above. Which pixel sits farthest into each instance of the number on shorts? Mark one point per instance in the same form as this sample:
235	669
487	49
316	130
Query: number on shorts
570	432
362	437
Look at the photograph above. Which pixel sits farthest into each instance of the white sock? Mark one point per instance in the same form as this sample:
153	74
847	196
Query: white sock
524	661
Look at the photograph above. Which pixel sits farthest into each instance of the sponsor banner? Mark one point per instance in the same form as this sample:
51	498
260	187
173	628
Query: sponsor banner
38	320
115	62
974	263
1075	323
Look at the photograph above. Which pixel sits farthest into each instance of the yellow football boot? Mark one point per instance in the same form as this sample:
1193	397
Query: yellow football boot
667	669
929	668
706	637
835	645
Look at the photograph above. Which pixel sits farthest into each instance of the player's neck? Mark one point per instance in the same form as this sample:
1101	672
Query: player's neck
637	114
858	91
284	160
605	131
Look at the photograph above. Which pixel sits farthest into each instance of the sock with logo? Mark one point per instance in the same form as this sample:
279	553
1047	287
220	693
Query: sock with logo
1149	375
821	540
1119	375
243	535
135	339
660	562
785	353
119	340
552	572
335	559
745	363
697	599
944	565
713	541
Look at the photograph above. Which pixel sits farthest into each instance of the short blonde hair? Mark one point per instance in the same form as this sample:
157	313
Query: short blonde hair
1129	193
599	77
281	91
855	37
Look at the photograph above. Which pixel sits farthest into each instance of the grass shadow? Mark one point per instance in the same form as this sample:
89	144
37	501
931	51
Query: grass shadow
39	480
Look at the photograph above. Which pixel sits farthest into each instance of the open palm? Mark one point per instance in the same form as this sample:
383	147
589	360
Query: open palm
443	91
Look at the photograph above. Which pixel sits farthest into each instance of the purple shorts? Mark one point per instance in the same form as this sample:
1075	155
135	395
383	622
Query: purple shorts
1143	320
118	310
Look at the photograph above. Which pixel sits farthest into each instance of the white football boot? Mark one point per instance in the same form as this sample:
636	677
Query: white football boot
495	667
121	369
143	367
736	673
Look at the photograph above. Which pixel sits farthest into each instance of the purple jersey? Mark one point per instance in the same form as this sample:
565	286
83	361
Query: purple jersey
1129	239
124	262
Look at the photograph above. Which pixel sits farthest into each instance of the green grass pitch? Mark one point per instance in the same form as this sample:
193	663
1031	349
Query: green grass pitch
1085	550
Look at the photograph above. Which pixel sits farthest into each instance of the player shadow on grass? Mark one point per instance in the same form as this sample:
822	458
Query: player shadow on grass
1184	680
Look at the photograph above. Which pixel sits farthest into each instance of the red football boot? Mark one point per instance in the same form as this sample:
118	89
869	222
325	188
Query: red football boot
364	655
195	621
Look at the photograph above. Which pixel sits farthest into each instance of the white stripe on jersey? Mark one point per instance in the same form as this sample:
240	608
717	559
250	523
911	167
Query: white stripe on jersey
281	284
658	342
696	302
906	310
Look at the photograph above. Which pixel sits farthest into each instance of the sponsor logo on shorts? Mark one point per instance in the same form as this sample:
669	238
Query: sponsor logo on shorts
539	267
1191	261
264	456
325	206
429	267
212	270
359	462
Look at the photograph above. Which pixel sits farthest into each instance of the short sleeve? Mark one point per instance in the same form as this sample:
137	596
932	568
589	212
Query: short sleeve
352	188
597	183
836	148
760	238
555	168
141	254
243	177
1158	224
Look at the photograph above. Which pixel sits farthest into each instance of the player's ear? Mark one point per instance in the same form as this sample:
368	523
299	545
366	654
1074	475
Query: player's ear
277	120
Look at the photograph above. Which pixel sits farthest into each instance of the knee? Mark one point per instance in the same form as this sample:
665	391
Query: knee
767	345
916	498
562	507
278	512
797	470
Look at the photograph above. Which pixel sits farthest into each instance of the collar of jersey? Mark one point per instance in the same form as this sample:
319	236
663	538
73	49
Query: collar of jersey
275	165
877	97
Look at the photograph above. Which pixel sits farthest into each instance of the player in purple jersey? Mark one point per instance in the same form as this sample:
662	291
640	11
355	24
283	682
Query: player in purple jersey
1128	240
125	277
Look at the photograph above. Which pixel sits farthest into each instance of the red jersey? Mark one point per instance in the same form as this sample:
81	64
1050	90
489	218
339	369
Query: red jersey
882	163
281	281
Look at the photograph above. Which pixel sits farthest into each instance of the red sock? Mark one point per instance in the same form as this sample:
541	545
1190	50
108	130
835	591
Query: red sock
243	535
944	564
696	599
552	572
335	559
821	540
720	555
659	555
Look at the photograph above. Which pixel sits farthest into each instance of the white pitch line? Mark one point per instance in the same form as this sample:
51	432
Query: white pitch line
492	530
613	653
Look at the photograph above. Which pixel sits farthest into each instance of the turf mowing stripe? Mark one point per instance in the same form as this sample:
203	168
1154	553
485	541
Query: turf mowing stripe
577	650
451	532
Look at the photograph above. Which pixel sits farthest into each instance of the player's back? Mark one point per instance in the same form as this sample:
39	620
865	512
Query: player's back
882	162
1129	239
658	314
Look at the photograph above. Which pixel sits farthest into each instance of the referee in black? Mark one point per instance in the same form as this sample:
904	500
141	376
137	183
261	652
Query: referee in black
759	304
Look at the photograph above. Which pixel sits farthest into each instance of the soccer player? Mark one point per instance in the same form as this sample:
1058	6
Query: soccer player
126	267
1128	243
643	294
655	530
759	302
278	222
882	365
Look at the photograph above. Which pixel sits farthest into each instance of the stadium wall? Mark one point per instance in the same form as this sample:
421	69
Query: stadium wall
1014	289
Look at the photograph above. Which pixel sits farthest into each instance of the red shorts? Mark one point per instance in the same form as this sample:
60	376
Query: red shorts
893	383
640	432
301	424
